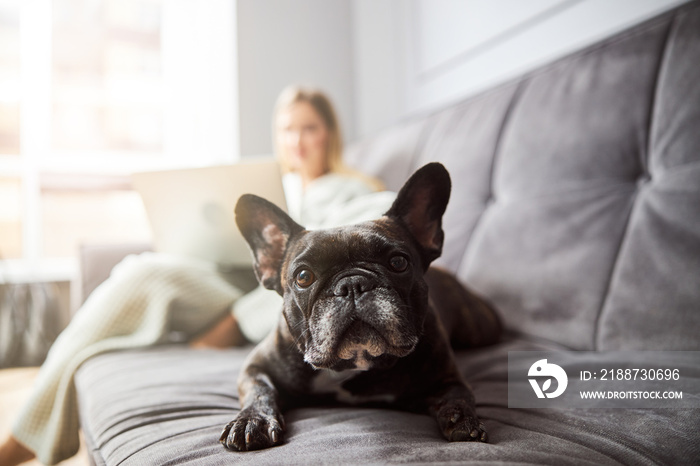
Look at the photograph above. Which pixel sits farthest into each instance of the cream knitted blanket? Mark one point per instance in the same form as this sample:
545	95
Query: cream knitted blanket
148	299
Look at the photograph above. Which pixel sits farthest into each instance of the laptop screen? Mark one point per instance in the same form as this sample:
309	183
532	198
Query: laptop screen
191	211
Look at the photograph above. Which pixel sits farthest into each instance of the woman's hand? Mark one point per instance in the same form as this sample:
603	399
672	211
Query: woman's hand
224	334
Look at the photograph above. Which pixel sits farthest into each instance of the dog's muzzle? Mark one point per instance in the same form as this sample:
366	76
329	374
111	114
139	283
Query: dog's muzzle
360	344
357	322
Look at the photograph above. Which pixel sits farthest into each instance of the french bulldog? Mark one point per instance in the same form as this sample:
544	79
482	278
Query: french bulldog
365	319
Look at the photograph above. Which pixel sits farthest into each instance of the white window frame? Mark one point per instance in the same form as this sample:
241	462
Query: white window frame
200	86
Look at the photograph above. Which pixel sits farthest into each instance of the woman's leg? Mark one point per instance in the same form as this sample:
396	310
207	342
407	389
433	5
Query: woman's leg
145	299
12	452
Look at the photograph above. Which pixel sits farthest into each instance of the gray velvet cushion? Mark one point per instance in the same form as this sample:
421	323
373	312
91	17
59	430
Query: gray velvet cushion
654	298
576	205
169	405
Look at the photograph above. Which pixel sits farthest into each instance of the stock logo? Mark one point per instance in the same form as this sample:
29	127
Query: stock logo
543	369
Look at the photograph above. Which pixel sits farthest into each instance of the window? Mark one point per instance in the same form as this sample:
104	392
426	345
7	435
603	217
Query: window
90	92
10	183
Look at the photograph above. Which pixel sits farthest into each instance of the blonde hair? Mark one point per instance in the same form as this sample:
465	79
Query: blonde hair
334	150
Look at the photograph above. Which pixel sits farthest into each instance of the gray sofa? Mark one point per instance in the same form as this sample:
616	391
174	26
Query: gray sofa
575	209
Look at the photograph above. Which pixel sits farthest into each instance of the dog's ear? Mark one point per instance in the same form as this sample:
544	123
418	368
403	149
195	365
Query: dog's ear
267	229
420	206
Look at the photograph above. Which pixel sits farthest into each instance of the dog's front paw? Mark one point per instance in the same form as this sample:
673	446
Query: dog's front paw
252	430
459	423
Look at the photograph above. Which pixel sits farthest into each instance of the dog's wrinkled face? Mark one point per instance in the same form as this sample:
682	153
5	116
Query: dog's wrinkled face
354	297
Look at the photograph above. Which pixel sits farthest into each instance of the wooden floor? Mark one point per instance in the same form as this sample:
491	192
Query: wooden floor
14	390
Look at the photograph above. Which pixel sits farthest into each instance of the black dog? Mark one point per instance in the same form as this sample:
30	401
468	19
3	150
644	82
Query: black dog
359	321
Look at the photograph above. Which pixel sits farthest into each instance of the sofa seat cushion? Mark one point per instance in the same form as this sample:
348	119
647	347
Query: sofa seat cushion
168	405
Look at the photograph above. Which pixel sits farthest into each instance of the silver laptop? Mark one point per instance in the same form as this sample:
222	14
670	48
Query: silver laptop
191	211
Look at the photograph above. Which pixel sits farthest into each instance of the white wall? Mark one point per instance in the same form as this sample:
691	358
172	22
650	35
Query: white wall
414	55
282	42
199	41
384	60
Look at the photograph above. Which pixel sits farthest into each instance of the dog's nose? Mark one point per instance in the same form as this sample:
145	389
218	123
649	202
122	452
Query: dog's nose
354	285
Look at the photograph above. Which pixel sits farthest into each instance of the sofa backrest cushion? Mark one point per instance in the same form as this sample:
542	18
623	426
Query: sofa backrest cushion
576	190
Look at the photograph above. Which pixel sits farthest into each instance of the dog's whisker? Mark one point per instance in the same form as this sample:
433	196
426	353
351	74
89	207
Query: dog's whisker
301	335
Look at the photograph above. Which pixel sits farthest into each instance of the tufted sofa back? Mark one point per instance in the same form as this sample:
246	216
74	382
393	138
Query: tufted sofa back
576	190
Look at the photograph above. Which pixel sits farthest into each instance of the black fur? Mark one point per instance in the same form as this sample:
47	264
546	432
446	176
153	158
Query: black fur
360	317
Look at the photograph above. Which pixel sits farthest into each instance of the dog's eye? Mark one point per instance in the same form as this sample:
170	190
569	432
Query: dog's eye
399	263
305	278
